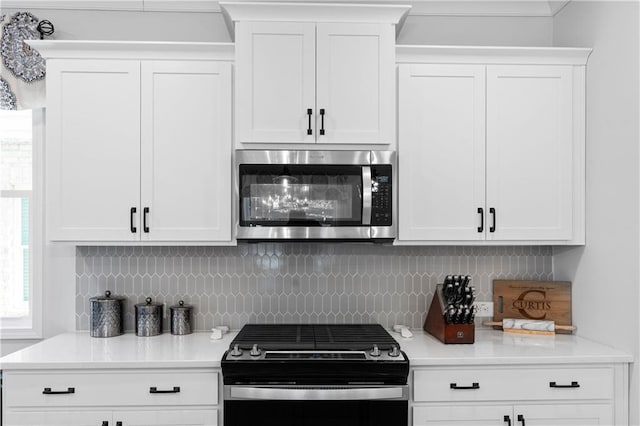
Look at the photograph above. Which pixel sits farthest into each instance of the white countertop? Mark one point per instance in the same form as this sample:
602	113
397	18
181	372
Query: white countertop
197	350
80	350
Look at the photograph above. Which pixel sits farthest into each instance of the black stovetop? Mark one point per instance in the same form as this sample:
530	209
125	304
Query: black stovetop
332	337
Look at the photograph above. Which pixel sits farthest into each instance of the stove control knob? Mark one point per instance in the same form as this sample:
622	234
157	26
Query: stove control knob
375	352
394	352
236	351
255	351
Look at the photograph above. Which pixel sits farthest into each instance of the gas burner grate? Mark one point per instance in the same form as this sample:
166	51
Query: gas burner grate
337	337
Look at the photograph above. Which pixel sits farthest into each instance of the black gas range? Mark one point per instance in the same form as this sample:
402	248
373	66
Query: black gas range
308	374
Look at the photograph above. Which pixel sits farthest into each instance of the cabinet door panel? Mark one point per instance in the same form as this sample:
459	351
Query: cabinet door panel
455	415
93	149
58	418
167	418
529	152
186	150
276	75
441	152
355	84
565	415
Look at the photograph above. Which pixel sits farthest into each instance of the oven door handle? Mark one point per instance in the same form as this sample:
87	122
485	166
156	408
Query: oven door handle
366	195
318	394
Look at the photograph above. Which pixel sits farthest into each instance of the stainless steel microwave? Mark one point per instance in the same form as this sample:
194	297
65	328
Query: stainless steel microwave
316	195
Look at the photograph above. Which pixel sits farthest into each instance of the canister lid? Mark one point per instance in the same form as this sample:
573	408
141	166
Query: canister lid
148	302
107	297
181	306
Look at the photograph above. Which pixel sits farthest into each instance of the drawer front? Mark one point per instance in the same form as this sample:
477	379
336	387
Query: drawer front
499	384
108	388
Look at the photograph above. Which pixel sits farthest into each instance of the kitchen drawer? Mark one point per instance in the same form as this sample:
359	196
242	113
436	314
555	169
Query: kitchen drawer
111	388
500	384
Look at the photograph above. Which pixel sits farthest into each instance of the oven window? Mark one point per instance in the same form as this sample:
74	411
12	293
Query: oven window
312	195
316	413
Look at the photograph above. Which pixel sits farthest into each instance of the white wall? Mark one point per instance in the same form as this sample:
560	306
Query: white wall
210	27
605	272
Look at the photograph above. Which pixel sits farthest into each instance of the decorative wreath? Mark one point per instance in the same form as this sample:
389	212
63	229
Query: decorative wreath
17	56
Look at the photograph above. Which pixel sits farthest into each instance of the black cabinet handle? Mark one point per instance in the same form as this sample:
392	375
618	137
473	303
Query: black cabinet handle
322	121
105	423
474	385
521	419
492	211
572	385
118	423
507	419
131	222
145	214
48	391
309	113
481	212
176	389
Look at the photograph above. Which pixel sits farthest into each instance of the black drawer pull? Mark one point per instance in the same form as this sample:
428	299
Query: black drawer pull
48	391
474	385
145	215
105	423
492	211
322	121
481	212
572	385
154	389
309	112
521	419
131	222
507	419
118	423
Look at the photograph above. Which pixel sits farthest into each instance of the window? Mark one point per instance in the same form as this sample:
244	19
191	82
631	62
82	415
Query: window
20	247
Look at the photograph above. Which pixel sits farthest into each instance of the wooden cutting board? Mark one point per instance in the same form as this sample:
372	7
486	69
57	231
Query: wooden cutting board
542	300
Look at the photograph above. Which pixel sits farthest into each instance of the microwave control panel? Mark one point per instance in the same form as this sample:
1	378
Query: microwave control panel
381	195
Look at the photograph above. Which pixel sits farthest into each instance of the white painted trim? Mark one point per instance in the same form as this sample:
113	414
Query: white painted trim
31	328
233	12
537	8
81	49
129	5
409	54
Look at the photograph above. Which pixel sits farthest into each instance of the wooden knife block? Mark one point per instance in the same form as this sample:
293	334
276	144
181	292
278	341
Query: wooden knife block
438	327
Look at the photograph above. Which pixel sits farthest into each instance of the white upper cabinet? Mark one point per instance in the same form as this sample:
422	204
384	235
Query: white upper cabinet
138	149
93	149
186	151
312	73
529	152
442	152
491	145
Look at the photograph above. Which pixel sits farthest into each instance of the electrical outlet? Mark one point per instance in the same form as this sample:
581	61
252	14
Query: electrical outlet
484	309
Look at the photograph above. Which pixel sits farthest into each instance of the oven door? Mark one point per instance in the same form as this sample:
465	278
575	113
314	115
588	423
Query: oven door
316	406
304	195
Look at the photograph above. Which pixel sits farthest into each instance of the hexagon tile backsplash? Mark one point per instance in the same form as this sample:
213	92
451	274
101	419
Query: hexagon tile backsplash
295	282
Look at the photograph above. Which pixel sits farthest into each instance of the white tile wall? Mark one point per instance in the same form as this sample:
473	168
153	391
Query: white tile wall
295	282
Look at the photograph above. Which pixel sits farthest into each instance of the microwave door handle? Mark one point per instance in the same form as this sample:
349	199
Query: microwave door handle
366	195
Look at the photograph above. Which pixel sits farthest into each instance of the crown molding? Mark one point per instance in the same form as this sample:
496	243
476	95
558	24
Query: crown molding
538	8
82	49
417	54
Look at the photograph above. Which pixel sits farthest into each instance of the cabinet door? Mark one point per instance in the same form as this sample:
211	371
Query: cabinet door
449	415
193	417
58	418
93	149
529	152
276	81
556	415
355	83
186	151
441	152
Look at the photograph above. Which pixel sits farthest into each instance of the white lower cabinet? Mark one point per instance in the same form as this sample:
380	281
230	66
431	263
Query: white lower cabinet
111	398
519	415
541	395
